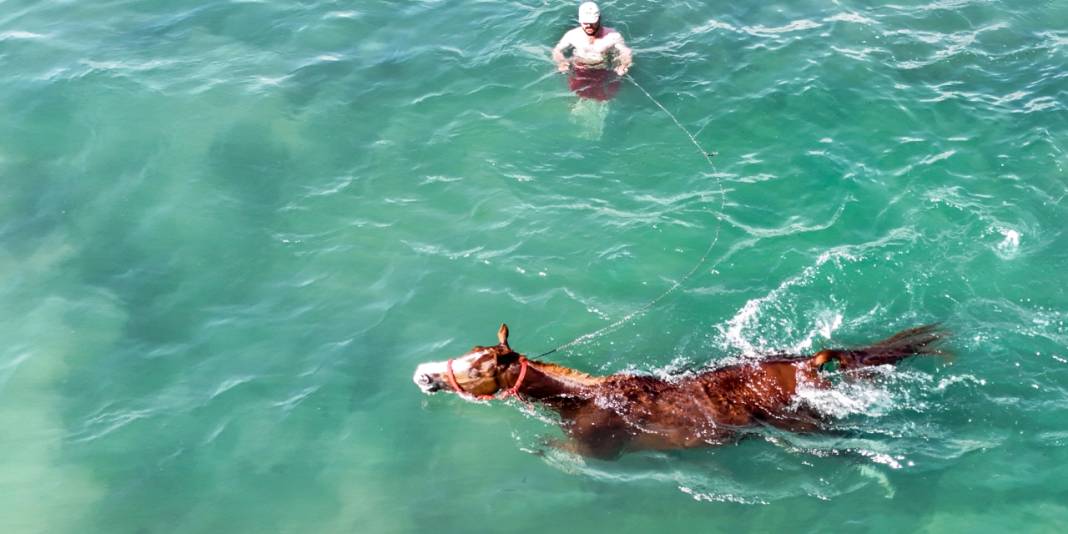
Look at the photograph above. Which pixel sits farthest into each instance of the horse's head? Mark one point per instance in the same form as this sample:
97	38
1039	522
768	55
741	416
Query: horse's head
482	372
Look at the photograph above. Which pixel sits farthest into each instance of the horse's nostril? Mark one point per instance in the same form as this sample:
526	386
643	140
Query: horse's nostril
424	380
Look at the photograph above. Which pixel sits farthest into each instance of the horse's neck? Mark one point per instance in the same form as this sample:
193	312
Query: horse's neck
550	383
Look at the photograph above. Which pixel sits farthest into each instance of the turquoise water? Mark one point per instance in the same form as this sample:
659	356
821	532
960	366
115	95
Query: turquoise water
229	231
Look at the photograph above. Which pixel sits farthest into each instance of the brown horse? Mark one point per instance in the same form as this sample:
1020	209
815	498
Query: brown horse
607	415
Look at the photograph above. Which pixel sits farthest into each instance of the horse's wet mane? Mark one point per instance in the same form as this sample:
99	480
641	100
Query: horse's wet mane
568	374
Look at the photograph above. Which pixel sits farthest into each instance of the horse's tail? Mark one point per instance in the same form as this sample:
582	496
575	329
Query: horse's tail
922	340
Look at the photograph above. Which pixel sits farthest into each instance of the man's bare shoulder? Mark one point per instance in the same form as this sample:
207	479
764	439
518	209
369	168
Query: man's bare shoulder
611	34
574	34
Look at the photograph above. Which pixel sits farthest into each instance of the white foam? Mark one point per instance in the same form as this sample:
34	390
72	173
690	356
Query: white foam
269	81
712	25
959	379
937	157
1009	246
16	35
8	369
750	312
845	399
797	25
704	496
879	477
1041	103
850	17
294	400
231	383
109	422
342	15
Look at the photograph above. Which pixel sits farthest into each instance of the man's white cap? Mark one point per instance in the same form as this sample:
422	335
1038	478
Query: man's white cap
588	13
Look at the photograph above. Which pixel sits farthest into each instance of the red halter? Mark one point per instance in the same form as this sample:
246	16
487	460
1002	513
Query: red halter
510	392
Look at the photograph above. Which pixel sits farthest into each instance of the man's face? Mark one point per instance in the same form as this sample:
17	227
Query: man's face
591	27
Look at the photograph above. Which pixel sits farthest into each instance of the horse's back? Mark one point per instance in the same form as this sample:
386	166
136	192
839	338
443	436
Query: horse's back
746	392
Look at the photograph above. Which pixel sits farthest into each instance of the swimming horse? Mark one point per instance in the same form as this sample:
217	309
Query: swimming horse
604	416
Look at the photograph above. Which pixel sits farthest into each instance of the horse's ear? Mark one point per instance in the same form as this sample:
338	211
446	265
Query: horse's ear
502	335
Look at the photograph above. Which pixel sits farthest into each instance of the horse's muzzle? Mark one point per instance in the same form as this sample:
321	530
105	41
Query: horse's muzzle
427	382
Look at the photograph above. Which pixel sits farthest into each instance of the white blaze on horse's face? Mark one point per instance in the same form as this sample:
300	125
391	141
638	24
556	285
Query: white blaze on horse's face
475	373
433	376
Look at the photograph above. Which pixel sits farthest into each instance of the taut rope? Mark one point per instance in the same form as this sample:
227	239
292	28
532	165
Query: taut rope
704	257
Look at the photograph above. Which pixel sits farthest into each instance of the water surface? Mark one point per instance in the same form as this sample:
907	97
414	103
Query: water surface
229	231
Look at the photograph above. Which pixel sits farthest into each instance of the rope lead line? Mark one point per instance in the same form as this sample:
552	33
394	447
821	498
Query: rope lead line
704	257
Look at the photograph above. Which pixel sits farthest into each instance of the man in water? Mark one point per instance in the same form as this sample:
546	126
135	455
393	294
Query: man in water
591	58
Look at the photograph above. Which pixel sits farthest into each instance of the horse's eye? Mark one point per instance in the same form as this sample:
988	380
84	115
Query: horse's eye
473	373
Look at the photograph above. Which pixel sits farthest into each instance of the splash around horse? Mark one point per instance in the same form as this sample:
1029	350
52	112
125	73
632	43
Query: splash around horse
605	416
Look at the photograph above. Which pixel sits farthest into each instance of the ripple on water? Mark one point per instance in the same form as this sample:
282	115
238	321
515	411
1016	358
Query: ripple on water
885	162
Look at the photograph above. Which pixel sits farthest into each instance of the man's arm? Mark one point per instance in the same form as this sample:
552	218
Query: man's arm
562	63
626	57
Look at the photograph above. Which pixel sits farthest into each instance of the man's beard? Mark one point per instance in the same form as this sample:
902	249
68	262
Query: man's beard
591	30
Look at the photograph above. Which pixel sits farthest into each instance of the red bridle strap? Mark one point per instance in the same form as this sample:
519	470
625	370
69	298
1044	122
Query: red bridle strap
510	392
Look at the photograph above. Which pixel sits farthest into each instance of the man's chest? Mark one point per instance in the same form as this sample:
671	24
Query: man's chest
596	45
